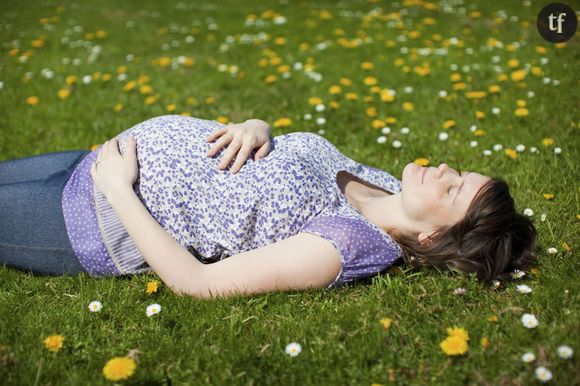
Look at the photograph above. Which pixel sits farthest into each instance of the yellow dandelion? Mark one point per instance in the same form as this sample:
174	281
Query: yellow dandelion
121	69
378	124
188	62
32	100
566	247
548	196
334	90
171	107
535	271
494	89
502	77
390	120
408	106
164	61
475	94
386	323
521	112
119	368
345	81
37	43
493	319
63	93
448	124
541	50
474	14
399	62
548	141
370	81
334	104
484	342
351	96
511	153
222	119
130	85
118	107
371	112
191	101
459	86
386	96
453	345
455	77
479	115
53	343
282	122
280	41
458	332
106	77
101	34
13	52
94	147
479	133
368	98
210	100
518	75
414	34
150	100
276	60
513	63
367	65
283	68
144	79
185	114
146	89
152	286
422	161
313	101
71	79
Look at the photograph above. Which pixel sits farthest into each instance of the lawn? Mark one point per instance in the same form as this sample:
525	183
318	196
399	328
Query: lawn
388	83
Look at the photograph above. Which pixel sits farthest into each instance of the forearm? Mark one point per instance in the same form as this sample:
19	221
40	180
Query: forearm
172	262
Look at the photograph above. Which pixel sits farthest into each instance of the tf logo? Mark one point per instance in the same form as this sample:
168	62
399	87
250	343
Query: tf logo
557	22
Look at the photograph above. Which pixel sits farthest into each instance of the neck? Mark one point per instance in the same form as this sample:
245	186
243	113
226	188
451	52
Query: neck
385	211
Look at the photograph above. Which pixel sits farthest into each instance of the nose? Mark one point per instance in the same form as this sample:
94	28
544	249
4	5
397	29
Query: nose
441	170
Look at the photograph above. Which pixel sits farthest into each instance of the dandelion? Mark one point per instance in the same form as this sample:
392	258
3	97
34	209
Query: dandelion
153	309
334	89
282	122
543	374
448	124
119	368
528	357
528	212
293	349
454	345
53	343
552	251
152	286
521	112
524	289
459	291
63	93
484	342
493	319
511	153
548	141
565	352
458	332
95	306
529	321
386	323
548	196
32	101
422	161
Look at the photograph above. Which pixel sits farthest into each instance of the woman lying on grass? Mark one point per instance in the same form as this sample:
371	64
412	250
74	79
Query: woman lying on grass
292	212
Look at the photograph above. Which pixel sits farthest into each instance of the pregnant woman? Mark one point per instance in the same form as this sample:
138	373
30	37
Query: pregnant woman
291	213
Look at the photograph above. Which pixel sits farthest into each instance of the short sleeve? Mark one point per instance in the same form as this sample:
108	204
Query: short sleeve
364	251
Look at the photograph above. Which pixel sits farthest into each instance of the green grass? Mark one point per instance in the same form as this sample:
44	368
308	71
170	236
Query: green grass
242	340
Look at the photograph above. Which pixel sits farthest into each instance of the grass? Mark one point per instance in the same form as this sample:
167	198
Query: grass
242	340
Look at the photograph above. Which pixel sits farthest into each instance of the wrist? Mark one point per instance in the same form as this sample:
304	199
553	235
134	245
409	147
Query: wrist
119	195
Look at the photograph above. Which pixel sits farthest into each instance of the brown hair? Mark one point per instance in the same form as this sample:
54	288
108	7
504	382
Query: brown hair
492	240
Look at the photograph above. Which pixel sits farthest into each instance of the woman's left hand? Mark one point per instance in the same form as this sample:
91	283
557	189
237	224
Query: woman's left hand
112	171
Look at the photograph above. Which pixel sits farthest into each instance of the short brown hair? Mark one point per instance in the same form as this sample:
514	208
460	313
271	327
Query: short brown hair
493	240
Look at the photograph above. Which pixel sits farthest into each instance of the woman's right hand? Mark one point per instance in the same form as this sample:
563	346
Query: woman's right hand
242	137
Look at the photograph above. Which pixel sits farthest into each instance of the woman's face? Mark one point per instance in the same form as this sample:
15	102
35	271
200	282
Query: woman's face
436	196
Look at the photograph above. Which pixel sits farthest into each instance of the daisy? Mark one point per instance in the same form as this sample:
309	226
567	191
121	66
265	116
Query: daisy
443	136
524	289
95	306
552	251
517	274
153	309
459	291
397	144
293	349
528	212
543	374
528	357
565	352
529	321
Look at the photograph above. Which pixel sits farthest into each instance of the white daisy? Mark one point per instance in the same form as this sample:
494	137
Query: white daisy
405	130
516	274
443	136
497	147
153	309
320	107
520	148
95	306
524	289
386	130
528	357
320	120
528	212
533	149
543	374
486	152
495	110
459	291
473	143
496	283
543	217
565	352
307	117
442	93
557	150
293	349
397	144
529	321
382	139
552	251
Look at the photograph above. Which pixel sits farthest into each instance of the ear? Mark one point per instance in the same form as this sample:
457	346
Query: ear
424	238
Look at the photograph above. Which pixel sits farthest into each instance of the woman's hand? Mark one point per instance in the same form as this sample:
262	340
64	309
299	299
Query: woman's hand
244	137
112	172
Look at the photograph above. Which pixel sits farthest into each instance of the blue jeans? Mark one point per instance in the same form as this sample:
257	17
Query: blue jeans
33	234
